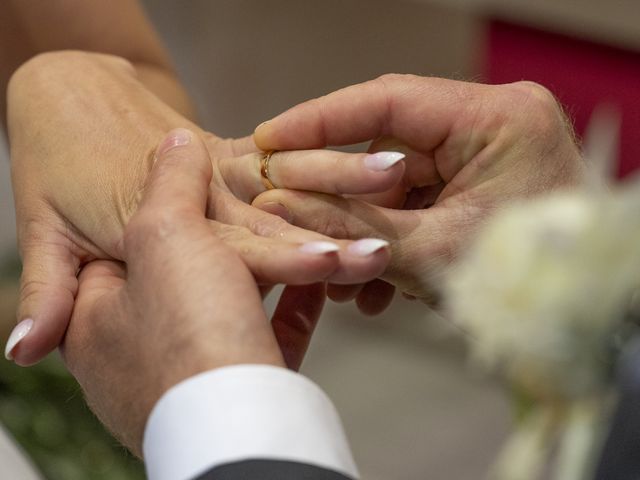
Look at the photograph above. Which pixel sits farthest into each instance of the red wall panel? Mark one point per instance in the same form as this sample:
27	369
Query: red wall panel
582	74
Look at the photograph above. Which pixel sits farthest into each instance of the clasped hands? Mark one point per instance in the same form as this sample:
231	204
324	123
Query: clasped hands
160	284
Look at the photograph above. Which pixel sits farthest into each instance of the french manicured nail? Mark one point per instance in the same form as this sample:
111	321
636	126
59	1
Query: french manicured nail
177	138
278	209
367	246
17	335
378	162
319	248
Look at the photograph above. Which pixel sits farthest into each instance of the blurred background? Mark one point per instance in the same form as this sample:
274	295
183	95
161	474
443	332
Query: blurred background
412	405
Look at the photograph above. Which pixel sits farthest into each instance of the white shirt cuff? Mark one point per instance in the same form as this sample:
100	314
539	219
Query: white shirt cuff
240	413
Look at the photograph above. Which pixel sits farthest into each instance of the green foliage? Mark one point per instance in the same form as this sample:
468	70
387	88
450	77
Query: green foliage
44	409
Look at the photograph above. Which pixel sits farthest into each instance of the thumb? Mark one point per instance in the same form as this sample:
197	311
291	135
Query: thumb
336	217
174	199
48	287
420	240
180	177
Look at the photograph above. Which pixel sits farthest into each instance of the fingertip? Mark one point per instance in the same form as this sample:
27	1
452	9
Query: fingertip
278	202
360	268
382	161
367	247
375	297
263	136
178	137
176	145
343	293
295	319
181	174
31	340
276	208
17	335
383	177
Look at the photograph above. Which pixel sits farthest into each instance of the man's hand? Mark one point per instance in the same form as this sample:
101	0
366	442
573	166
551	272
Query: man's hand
184	304
83	131
470	148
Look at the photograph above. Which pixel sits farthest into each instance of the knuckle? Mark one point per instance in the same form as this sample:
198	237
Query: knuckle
269	226
30	288
542	110
232	234
333	226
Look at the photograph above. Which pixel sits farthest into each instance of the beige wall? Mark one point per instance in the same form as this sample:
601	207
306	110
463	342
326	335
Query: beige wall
247	60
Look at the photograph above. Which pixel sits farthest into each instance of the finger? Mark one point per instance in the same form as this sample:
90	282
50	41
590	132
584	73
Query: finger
414	240
175	194
359	261
397	105
338	217
48	286
314	170
180	176
343	293
375	297
295	319
420	171
96	281
229	147
273	261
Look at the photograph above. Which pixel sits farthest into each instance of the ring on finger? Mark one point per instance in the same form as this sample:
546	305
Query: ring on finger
264	170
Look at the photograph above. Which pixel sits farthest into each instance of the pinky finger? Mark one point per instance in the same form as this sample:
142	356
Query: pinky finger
295	319
375	297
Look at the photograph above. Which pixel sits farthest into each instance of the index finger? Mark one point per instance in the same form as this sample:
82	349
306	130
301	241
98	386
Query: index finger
417	110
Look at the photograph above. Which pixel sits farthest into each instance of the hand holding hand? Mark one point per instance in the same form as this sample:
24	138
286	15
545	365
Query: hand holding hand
83	131
470	148
184	304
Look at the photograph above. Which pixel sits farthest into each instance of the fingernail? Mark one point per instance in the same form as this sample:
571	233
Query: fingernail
19	332
176	138
367	246
260	129
278	209
381	161
319	248
261	125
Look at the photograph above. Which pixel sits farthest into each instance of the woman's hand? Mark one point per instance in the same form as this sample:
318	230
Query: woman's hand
470	148
83	132
185	303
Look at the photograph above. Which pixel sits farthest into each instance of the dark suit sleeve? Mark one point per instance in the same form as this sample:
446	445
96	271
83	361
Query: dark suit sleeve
270	470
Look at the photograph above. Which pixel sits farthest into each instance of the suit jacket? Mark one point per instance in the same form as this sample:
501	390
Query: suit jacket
270	470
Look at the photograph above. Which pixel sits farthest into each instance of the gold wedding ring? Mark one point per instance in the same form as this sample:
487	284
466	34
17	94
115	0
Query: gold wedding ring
264	170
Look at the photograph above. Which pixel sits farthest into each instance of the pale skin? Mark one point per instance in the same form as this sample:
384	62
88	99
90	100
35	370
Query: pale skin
194	246
177	300
480	160
67	221
471	149
83	128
